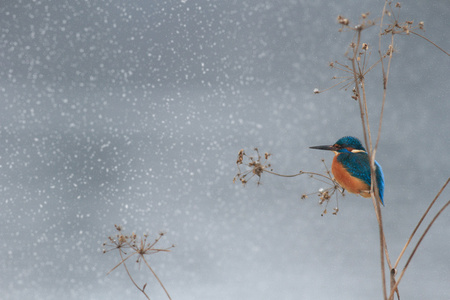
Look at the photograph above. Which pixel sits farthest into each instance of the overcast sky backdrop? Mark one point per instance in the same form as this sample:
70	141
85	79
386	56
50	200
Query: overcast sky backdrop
133	113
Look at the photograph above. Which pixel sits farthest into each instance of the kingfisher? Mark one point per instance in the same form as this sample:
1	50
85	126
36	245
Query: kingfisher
351	167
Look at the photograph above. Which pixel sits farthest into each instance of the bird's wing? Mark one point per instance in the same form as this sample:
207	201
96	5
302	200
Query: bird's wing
357	164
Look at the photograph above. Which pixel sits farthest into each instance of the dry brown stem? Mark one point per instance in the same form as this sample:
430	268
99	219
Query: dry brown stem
139	247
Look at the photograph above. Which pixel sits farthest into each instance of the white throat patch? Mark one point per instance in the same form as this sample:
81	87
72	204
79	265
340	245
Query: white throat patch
357	151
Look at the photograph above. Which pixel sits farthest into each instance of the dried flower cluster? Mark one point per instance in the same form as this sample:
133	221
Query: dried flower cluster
358	55
255	164
361	58
325	195
397	27
364	23
137	246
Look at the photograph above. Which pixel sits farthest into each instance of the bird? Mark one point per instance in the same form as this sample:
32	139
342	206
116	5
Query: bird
351	167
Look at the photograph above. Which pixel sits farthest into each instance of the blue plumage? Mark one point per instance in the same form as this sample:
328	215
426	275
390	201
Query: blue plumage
357	164
349	141
352	156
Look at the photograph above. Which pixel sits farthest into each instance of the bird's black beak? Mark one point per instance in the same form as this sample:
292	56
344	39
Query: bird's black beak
326	147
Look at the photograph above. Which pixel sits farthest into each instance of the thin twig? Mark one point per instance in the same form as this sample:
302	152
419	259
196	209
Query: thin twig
156	276
385	82
356	80
129	275
420	222
417	246
371	67
298	174
342	81
122	262
383	246
430	42
367	138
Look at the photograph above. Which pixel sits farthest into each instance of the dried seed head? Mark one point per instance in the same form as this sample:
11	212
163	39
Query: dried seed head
365	15
405	28
390	50
421	25
343	21
258	169
398	5
240	156
365	46
122	239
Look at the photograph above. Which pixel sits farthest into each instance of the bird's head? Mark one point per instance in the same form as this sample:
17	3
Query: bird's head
345	144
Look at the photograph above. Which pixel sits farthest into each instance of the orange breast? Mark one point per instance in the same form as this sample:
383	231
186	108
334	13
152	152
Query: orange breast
347	181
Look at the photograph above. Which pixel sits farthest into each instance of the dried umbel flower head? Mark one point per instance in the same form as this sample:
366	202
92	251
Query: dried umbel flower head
390	50
421	24
365	46
365	15
343	21
240	157
256	164
130	245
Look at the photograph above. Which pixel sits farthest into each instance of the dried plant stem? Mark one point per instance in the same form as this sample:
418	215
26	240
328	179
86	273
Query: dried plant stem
385	74
420	222
356	80
415	249
383	246
295	175
138	246
362	101
129	275
329	178
156	276
335	85
429	41
359	58
122	262
355	74
385	82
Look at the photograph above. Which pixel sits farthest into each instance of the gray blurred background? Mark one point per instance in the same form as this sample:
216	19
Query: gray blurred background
133	112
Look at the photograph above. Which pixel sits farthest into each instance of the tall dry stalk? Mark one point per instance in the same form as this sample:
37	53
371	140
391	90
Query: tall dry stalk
359	70
354	77
139	247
